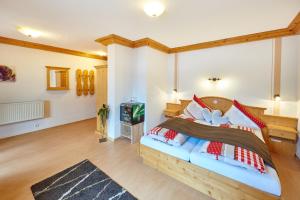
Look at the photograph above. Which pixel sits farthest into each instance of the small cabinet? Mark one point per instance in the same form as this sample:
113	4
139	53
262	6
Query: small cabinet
283	134
132	132
283	146
172	110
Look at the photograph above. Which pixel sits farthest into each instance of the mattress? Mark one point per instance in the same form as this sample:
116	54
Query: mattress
268	182
182	152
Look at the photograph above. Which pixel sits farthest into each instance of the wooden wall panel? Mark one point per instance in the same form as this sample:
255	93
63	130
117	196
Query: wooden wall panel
277	65
277	74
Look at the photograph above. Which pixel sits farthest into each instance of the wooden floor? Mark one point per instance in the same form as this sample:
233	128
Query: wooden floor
30	158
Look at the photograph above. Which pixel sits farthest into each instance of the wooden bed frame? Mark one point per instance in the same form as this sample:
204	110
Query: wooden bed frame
210	183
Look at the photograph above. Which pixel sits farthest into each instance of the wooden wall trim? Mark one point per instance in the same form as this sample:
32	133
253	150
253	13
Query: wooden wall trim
235	40
151	43
295	24
115	39
292	29
22	43
100	66
277	65
277	73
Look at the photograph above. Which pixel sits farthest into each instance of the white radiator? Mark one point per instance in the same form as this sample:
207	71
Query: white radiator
22	111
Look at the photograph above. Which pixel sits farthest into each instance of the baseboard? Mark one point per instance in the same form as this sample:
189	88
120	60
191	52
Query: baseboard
40	128
111	139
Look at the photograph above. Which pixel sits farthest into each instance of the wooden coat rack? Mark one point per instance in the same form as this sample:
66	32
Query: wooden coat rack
85	82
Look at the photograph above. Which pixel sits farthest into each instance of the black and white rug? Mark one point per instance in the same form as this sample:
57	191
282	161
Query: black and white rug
82	181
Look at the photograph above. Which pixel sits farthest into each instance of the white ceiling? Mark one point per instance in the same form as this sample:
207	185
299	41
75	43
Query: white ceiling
75	24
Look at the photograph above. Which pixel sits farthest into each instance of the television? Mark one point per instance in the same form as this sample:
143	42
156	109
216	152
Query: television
132	112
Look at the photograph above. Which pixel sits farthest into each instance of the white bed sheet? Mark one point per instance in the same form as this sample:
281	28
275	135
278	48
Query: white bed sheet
182	152
268	182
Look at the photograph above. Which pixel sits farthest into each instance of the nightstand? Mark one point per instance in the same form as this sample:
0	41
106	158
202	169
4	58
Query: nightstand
132	132
282	133
172	110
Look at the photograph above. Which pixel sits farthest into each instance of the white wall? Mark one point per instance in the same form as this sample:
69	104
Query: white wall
152	68
289	68
141	74
246	73
298	94
120	65
30	64
298	69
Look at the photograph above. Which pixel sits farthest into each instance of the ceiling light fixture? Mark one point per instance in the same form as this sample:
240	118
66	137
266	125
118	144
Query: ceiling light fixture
29	32
154	8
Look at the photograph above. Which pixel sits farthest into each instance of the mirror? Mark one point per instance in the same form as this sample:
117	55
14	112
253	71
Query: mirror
57	78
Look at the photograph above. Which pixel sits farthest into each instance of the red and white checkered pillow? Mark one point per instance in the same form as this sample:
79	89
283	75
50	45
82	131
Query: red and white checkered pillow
167	136
200	102
193	110
215	148
245	158
256	120
250	158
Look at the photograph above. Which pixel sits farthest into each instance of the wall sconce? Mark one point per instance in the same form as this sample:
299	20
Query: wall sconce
214	79
277	97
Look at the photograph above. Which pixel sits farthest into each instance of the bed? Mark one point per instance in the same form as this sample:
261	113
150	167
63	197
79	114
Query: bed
183	152
209	176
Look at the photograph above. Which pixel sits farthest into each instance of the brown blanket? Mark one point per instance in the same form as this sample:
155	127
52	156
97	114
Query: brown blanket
231	136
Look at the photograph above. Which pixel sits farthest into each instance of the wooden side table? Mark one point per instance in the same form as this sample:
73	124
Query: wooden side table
132	132
172	110
282	133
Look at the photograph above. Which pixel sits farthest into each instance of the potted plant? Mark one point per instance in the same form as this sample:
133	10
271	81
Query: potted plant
103	114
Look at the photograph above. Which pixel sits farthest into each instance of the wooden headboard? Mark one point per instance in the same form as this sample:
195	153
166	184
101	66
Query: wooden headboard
223	104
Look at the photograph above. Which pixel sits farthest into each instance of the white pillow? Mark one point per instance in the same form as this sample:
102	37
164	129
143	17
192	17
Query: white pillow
158	133
236	117
207	115
194	110
217	118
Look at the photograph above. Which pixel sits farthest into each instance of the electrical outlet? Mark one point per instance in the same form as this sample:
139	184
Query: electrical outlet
36	125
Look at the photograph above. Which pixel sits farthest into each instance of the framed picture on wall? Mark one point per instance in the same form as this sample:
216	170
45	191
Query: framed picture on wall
7	74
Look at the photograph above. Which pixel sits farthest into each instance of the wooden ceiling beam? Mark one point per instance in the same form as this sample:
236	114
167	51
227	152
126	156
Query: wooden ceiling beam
292	29
22	43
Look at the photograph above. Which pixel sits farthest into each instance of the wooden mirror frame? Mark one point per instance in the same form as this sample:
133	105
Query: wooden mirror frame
49	68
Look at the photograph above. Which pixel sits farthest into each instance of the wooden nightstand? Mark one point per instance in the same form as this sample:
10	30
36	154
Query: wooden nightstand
282	133
172	110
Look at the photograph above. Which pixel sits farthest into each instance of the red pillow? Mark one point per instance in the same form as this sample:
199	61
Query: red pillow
200	102
242	108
